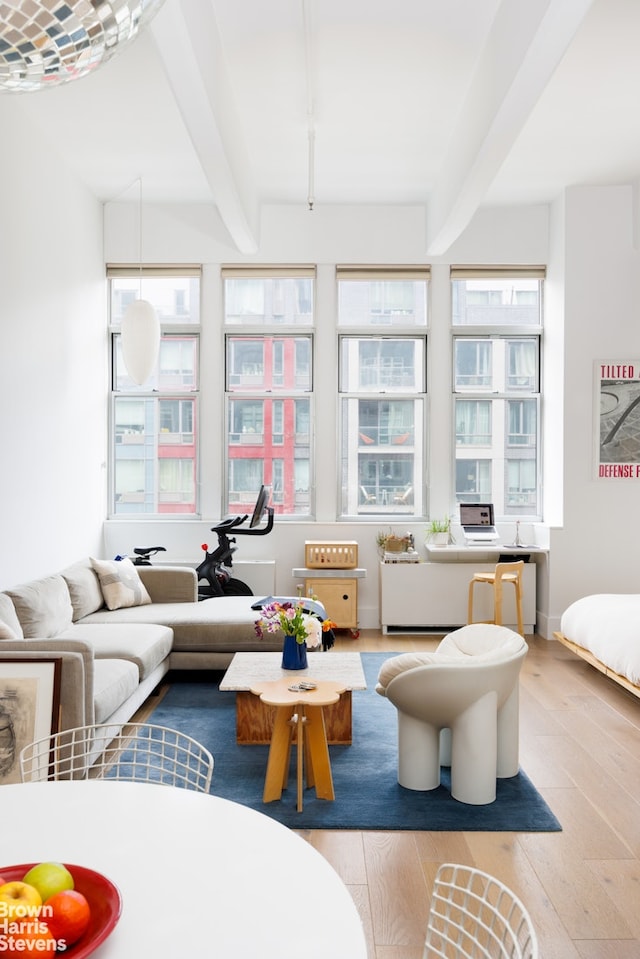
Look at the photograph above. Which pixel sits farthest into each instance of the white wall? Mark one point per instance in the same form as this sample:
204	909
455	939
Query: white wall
52	358
601	322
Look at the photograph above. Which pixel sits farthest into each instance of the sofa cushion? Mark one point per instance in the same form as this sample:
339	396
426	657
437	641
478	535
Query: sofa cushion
43	606
10	627
120	583
84	588
145	644
225	624
114	680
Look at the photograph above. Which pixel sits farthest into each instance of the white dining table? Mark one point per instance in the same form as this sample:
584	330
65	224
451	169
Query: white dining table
199	876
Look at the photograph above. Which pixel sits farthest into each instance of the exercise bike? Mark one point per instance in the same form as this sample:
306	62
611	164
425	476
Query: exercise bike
216	566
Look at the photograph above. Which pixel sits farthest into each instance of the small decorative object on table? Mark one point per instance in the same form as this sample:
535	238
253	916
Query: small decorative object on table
301	630
397	544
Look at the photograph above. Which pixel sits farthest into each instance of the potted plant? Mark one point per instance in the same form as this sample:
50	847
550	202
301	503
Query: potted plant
381	540
439	531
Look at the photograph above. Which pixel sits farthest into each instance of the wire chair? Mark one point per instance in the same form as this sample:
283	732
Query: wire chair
132	751
475	916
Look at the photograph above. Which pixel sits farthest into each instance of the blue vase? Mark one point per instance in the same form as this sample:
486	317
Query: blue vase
294	654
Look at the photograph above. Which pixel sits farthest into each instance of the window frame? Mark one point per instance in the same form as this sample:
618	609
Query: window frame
356	501
501	392
276	456
152	391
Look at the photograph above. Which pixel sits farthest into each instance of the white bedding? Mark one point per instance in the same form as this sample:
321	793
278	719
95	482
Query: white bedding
608	625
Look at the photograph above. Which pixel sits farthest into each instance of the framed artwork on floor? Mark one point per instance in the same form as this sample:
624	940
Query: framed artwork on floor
29	708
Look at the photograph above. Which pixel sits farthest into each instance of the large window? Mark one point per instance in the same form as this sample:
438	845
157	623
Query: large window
497	324
154	447
269	384
375	429
382	377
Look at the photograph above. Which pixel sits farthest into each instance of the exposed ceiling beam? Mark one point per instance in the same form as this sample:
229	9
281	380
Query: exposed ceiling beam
525	45
186	34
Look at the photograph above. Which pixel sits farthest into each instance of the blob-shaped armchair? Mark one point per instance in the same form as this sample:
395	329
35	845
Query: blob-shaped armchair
458	706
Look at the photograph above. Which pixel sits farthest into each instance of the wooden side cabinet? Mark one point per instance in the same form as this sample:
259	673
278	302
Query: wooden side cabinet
337	590
339	597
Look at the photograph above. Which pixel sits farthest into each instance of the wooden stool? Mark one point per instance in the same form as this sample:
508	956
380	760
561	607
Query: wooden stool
299	716
503	573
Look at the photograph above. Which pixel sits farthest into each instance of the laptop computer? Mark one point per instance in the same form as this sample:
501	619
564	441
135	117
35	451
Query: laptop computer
477	522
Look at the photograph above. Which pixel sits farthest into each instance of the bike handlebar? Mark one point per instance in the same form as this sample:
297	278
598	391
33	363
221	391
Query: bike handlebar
236	521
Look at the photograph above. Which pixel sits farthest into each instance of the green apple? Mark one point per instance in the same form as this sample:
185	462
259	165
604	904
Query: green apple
19	900
49	878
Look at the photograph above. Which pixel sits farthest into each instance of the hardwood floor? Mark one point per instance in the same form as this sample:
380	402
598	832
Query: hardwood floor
580	745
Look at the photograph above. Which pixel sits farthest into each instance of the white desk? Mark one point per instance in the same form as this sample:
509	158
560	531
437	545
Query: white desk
481	552
434	595
199	876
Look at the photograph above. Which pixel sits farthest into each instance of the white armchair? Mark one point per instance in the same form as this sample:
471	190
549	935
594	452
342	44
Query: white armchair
458	706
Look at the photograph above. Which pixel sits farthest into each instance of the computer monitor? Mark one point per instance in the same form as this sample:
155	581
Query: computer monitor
261	505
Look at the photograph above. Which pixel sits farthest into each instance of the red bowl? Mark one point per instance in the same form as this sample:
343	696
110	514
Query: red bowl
103	897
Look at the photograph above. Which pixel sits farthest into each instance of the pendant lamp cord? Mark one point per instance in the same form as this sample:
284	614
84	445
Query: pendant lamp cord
306	20
140	235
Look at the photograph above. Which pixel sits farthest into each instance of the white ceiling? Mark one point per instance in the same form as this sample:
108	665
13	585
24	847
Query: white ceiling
453	104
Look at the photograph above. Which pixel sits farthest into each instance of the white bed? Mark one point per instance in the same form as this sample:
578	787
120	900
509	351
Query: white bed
604	629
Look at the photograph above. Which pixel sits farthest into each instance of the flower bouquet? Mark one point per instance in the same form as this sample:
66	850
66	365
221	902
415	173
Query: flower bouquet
303	630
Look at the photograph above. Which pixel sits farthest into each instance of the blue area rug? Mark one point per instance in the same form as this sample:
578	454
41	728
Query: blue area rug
367	792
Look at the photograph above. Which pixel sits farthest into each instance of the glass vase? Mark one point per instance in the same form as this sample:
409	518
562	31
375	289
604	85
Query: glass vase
294	654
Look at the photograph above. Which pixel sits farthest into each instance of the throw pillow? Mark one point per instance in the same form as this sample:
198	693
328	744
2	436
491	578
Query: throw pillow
10	627
120	583
6	633
42	606
84	588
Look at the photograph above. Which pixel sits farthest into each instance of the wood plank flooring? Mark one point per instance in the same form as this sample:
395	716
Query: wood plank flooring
580	745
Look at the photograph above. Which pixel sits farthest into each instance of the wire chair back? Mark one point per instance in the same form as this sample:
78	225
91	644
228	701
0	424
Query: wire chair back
475	916
141	752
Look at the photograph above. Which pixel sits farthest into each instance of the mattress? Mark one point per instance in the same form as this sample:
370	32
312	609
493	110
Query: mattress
608	625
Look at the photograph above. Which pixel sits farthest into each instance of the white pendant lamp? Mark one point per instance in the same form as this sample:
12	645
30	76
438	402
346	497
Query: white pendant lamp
140	327
140	333
44	44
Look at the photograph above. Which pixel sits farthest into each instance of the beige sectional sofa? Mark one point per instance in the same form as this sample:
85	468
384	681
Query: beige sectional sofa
113	658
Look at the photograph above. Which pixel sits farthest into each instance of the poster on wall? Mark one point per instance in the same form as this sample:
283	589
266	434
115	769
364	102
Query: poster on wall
618	426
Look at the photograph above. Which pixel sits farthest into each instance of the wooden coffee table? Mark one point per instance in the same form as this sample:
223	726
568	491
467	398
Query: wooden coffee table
255	719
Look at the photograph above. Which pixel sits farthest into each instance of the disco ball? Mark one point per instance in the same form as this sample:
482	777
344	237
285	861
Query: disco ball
44	43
